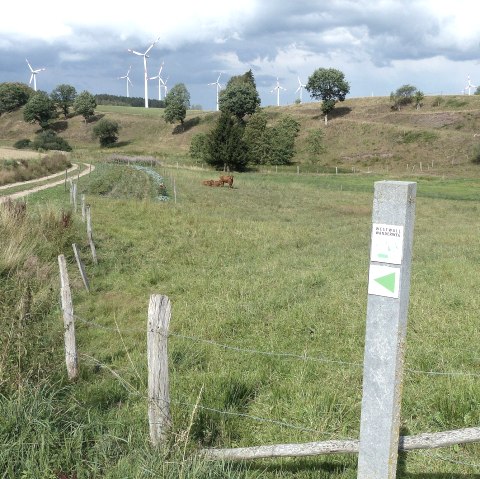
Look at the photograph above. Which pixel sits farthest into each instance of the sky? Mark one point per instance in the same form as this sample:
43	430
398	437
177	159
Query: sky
379	45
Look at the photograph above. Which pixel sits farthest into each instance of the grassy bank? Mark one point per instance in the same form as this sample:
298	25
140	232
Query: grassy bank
268	285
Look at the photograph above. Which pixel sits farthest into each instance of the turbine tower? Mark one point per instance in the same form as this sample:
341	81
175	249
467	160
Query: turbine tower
300	88
145	56
34	75
277	87
160	82
219	87
165	86
469	85
128	79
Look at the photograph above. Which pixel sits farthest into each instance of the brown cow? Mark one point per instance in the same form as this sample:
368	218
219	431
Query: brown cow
207	182
227	179
217	183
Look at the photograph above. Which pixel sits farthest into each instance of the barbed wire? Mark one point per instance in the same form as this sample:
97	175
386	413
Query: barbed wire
302	357
133	390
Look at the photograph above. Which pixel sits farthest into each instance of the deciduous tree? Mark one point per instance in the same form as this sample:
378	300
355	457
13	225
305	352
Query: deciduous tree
39	109
328	85
13	95
85	105
240	96
177	102
63	96
106	131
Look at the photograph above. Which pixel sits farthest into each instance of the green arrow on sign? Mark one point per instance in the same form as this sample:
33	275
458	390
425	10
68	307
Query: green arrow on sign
387	281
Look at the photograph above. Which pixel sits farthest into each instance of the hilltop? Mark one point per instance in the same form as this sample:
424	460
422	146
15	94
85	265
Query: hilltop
364	134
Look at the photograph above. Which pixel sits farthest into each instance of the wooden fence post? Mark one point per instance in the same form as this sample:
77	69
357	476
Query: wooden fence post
71	190
74	197
66	175
71	357
83	208
388	294
81	267
90	235
159	312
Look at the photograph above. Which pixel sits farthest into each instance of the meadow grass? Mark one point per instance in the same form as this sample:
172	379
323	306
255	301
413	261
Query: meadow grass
278	264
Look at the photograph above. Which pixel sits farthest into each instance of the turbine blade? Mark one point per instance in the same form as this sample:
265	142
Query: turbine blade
31	79
29	66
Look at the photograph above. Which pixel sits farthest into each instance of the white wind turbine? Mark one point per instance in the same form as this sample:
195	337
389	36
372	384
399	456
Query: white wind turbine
160	82
469	85
300	88
128	79
145	56
219	87
34	75
277	87
165	86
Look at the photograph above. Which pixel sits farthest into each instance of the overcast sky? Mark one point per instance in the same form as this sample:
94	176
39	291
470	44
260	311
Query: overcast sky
378	44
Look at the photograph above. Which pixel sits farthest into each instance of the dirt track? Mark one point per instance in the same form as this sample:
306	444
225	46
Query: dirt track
23	193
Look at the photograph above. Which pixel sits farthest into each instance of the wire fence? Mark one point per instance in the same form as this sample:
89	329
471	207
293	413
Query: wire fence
279	354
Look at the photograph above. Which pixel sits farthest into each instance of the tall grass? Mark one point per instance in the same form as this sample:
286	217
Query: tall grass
278	264
12	171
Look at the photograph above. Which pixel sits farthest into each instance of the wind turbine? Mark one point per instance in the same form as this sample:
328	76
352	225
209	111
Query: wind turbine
128	79
469	85
300	88
160	82
145	56
34	75
278	88
165	86
219	87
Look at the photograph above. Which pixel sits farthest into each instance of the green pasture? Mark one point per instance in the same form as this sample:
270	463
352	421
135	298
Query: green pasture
268	283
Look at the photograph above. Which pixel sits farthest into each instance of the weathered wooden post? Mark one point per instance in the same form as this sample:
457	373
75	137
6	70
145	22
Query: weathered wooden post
159	312
298	170
83	208
90	234
71	190
71	357
74	197
66	175
174	191
81	267
388	294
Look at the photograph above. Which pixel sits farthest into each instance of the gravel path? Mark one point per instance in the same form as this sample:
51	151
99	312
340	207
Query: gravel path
20	194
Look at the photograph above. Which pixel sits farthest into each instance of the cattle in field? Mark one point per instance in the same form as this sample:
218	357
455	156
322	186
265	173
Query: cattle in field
217	183
207	182
227	179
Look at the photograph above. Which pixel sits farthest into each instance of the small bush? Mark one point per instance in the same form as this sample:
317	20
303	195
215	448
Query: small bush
106	131
476	154
23	144
49	140
437	101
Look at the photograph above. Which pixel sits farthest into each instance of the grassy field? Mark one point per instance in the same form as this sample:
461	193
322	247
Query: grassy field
364	134
276	265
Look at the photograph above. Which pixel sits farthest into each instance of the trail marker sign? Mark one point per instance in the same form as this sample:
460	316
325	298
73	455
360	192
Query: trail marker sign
387	243
384	281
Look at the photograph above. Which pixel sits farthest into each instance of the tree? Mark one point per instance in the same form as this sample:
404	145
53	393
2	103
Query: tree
226	148
39	109
328	85
13	95
63	96
314	144
240	96
177	102
85	105
477	91
282	141
418	97
257	138
107	132
403	96
199	147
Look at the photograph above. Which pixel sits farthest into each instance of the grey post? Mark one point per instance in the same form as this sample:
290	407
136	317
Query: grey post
81	267
71	357
388	294
159	312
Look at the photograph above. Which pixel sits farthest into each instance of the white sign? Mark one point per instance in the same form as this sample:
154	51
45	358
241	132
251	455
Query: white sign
384	281
387	244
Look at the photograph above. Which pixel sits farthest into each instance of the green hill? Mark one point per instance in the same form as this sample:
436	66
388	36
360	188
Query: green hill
364	134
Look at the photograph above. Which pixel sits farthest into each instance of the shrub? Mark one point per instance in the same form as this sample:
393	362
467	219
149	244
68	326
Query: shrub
23	144
13	96
49	140
106	131
476	154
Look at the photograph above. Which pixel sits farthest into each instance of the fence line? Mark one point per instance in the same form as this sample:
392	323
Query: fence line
274	353
129	387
